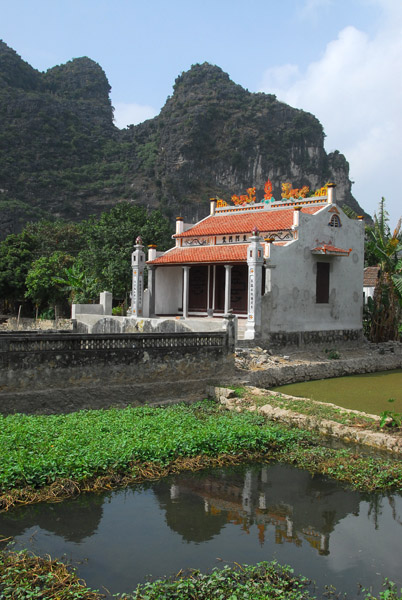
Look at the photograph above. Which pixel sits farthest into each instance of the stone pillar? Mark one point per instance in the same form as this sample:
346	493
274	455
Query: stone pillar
151	252
331	193
210	311
228	286
255	261
151	289
186	279
137	292
230	324
213	287
106	300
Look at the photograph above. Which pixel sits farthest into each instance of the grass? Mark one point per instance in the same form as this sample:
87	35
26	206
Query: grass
53	457
25	576
39	451
320	410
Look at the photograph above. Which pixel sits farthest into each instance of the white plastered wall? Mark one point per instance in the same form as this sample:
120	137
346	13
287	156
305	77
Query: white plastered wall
169	285
291	303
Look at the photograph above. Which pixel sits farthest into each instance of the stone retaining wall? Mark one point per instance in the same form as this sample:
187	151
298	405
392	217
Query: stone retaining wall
300	339
62	372
294	373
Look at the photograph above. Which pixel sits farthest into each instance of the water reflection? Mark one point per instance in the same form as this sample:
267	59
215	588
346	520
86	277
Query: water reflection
73	521
246	514
298	506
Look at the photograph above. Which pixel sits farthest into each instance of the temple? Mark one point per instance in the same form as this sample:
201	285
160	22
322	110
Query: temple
285	267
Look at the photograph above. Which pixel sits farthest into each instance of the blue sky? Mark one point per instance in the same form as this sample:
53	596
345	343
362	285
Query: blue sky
339	59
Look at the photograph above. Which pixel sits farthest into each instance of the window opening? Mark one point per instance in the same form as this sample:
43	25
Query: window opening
322	283
335	221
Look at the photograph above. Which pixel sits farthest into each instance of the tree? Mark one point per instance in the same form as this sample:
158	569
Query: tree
110	241
386	248
76	283
41	284
19	251
16	255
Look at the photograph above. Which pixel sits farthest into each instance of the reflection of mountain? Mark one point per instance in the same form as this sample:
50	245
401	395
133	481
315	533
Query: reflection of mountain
85	512
298	506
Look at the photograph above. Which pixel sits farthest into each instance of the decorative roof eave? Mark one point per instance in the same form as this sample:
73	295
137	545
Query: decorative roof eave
327	250
202	255
280	219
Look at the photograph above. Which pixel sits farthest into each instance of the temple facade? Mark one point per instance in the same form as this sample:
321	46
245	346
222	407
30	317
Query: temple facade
289	266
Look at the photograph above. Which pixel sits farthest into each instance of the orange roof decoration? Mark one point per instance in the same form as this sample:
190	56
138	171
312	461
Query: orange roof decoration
244	222
328	249
204	254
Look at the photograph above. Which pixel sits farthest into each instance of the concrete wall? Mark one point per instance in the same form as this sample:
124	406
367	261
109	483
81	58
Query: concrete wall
291	305
169	286
103	308
52	373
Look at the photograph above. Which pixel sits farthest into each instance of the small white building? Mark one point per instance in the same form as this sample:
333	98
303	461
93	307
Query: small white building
370	280
286	268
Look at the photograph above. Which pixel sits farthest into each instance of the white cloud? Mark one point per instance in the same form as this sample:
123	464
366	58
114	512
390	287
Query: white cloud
355	90
131	114
311	8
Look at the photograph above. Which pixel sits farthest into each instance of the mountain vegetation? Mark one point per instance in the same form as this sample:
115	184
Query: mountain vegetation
61	156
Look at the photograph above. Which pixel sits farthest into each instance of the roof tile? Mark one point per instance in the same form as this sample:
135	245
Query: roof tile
205	254
265	221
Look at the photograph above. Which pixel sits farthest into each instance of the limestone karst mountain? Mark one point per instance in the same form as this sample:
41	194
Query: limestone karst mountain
62	156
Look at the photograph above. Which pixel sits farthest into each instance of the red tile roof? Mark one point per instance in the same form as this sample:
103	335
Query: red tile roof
328	249
232	223
371	276
204	254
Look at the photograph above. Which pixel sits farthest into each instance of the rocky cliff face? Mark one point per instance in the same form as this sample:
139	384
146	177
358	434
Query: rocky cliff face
61	155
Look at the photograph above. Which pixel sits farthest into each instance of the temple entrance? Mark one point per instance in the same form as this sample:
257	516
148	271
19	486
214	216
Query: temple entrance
238	292
198	289
198	286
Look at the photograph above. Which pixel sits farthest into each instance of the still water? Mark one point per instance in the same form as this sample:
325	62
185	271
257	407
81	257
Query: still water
247	514
369	392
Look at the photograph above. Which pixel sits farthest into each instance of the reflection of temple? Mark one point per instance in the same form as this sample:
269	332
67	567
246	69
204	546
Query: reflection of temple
298	506
85	512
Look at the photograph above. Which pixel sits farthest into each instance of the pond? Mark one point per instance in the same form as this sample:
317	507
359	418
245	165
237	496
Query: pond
245	514
369	392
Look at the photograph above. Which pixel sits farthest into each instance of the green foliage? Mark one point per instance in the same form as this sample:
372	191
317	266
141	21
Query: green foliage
333	354
38	240
47	314
389	592
384	247
390	418
109	244
41	281
51	262
36	450
241	582
24	576
80	287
